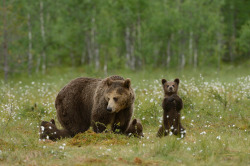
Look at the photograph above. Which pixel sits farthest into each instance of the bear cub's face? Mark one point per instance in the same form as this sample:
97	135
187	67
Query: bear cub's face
118	95
135	129
170	87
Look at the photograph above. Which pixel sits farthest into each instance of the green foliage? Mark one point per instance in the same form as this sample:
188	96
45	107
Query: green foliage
244	39
117	34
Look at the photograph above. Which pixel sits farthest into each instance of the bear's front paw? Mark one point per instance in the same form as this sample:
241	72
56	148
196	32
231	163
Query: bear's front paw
170	99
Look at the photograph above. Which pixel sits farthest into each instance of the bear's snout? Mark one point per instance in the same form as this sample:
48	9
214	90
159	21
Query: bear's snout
109	109
171	89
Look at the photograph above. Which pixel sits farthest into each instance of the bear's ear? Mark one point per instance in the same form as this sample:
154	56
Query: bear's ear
134	122
109	81
163	81
52	121
177	81
127	83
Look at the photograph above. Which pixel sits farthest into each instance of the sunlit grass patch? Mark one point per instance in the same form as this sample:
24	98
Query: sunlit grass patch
91	138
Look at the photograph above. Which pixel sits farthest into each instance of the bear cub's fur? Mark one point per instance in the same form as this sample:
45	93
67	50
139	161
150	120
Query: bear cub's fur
135	129
172	105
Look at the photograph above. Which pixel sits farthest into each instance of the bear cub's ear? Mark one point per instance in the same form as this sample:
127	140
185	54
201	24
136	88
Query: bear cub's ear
52	121
163	81
177	81
109	81
134	122
127	83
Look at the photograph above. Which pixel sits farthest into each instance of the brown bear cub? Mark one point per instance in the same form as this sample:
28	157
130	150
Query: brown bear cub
48	130
172	105
135	129
86	102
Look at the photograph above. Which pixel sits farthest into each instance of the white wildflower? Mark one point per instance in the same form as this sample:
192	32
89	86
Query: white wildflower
61	147
203	133
42	128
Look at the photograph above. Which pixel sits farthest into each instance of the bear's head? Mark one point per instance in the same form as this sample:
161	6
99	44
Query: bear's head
119	95
170	87
135	128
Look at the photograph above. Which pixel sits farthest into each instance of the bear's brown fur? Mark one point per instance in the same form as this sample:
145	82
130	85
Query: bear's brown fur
98	102
135	128
48	130
172	105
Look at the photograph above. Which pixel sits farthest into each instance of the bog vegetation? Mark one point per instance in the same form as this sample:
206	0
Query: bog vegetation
215	115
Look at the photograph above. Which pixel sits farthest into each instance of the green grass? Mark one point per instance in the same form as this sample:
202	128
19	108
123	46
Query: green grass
216	116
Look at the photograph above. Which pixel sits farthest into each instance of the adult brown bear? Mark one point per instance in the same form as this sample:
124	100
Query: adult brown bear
86	102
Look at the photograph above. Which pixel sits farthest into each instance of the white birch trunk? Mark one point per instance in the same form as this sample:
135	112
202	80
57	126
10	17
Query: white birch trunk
97	59
132	48
72	58
5	43
168	53
127	43
195	58
88	43
191	48
219	40
30	57
43	38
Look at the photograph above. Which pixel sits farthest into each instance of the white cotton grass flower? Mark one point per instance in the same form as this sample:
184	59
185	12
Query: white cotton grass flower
203	133
42	128
61	147
218	137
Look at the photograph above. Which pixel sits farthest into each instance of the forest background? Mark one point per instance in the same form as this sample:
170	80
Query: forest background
106	35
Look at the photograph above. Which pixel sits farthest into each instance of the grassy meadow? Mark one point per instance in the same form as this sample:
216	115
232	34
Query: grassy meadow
216	116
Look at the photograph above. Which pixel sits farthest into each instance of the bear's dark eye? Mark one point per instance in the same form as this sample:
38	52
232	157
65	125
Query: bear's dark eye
167	86
108	98
173	85
115	99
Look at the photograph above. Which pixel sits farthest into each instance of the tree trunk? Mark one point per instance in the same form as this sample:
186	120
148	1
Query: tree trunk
30	46
89	51
127	43
72	58
93	34
232	41
139	42
83	57
97	58
132	48
5	42
105	67
219	41
182	59
43	38
195	58
168	53
191	48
